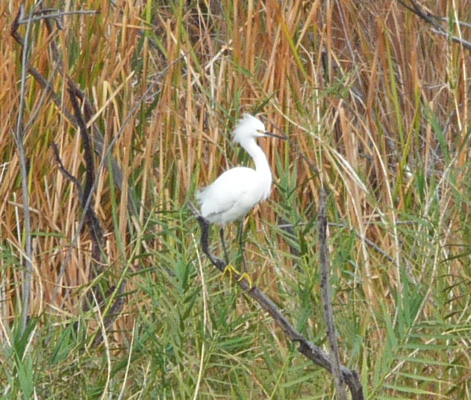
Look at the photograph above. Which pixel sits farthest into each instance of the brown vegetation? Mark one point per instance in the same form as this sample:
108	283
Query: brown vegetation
375	101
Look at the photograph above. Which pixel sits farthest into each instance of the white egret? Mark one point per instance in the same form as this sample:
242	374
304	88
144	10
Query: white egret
233	194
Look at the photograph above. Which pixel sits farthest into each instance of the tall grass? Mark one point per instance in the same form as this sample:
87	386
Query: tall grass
372	100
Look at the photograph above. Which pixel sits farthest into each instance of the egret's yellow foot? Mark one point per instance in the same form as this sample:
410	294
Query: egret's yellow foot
241	276
231	271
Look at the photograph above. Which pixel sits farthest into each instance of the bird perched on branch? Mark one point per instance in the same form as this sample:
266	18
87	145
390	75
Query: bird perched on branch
233	194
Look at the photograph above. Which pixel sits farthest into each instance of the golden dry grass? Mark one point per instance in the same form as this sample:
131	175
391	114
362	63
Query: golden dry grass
369	95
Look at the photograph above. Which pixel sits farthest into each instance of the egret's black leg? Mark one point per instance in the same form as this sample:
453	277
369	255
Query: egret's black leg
242	244
229	268
221	233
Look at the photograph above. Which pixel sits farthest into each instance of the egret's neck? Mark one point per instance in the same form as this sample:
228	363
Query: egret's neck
260	159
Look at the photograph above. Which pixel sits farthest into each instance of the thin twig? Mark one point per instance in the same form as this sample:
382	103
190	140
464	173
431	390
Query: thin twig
19	138
64	170
91	220
56	15
431	19
327	298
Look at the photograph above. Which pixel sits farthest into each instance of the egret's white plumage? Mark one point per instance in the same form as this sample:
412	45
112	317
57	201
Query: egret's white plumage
233	194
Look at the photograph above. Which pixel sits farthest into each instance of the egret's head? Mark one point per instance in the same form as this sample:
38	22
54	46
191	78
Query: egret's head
249	127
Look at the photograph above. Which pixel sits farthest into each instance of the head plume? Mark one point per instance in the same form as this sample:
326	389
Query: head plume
248	127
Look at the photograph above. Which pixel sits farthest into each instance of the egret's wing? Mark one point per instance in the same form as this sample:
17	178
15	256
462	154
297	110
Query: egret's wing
226	199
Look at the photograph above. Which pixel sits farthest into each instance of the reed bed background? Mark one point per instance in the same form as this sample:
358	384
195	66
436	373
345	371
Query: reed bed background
376	105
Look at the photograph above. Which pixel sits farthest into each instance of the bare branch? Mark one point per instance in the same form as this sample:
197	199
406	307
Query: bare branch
64	170
308	349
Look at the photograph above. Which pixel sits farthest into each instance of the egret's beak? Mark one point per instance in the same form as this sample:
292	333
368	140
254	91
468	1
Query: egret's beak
275	136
